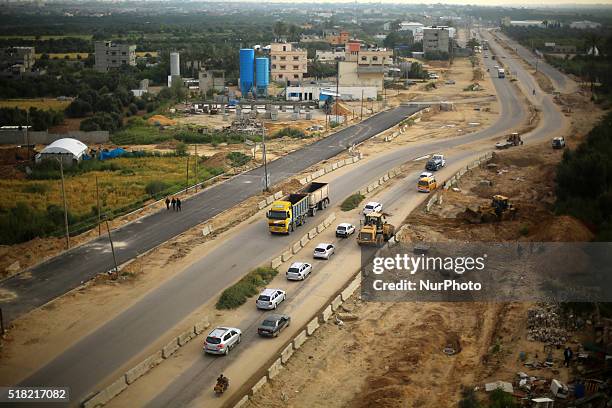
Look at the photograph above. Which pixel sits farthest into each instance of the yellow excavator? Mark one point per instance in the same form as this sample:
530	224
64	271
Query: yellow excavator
375	230
500	209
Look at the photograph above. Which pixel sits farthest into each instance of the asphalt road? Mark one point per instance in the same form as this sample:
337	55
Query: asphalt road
560	81
60	274
95	357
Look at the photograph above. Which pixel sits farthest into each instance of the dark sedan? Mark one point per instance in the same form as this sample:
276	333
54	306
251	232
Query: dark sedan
273	324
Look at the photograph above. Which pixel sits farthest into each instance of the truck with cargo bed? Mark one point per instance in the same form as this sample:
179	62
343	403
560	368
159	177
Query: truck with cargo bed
289	212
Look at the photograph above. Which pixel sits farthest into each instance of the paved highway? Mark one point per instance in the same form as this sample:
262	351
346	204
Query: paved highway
94	358
60	274
561	82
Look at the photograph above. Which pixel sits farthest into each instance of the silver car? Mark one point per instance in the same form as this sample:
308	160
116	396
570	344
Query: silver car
270	298
324	251
299	271
221	340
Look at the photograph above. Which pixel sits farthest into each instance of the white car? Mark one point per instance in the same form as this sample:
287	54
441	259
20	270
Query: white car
372	206
270	298
324	251
345	229
434	76
298	271
425	174
221	340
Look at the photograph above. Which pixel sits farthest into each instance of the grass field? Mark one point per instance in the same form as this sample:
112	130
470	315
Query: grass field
118	188
39	103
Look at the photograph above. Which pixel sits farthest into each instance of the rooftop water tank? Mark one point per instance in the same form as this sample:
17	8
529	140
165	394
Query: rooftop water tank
247	61
262	75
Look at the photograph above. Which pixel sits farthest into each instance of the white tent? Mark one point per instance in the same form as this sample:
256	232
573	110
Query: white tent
69	150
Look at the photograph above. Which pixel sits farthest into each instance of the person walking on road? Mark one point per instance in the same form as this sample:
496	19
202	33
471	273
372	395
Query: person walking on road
568	354
167	203
173	204
178	204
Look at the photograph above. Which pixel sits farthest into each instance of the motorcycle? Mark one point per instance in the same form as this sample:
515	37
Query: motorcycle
221	387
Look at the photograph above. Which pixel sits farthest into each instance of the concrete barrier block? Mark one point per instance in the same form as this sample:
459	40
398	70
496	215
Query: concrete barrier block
287	353
185	337
312	326
327	312
278	195
381	181
369	188
355	159
269	200
259	384
336	303
243	401
275	369
116	388
385	178
206	230
303	181
296	248
363	191
328	169
144	366
299	339
349	290
170	348
262	204
320	228
334	166
304	240
341	163
320	173
95	400
312	233
276	262
331	217
200	326
287	255
308	178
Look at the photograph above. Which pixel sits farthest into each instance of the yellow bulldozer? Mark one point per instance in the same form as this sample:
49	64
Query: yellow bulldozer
500	209
375	230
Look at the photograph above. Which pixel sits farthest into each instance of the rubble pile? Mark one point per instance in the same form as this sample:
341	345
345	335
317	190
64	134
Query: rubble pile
544	325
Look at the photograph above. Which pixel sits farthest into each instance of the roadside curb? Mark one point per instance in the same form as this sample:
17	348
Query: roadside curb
104	396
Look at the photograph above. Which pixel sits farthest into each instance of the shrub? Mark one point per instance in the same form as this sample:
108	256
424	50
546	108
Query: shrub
237	294
352	202
36	188
180	149
501	399
291	132
238	159
155	187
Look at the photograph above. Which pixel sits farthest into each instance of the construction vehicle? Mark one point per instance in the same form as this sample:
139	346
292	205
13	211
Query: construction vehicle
500	209
375	230
513	139
291	211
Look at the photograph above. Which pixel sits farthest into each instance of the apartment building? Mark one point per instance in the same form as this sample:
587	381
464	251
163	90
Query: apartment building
364	66
18	59
109	55
436	39
287	63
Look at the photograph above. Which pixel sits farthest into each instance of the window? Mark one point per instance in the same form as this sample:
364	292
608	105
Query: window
123	53
273	66
283	67
284	48
296	67
282	58
364	58
296	76
296	58
274	57
280	75
374	58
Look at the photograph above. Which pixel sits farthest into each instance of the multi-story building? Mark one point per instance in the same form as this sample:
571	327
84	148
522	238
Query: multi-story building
331	56
17	59
337	38
109	55
436	39
287	63
415	28
364	66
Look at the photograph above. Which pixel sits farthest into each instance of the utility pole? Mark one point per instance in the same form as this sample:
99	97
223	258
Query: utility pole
362	104
65	206
28	133
195	146
263	141
337	88
187	179
111	243
98	206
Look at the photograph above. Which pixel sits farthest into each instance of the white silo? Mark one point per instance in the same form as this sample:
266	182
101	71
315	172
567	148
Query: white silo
175	65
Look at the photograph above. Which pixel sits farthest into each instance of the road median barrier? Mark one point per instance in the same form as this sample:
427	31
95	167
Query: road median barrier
287	353
312	326
299	340
275	368
144	367
259	384
452	181
328	168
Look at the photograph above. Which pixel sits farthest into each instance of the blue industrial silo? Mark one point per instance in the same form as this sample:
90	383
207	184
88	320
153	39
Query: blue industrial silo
262	76
247	68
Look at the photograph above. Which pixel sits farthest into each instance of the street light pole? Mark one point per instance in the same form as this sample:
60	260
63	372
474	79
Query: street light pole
263	141
65	205
111	243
